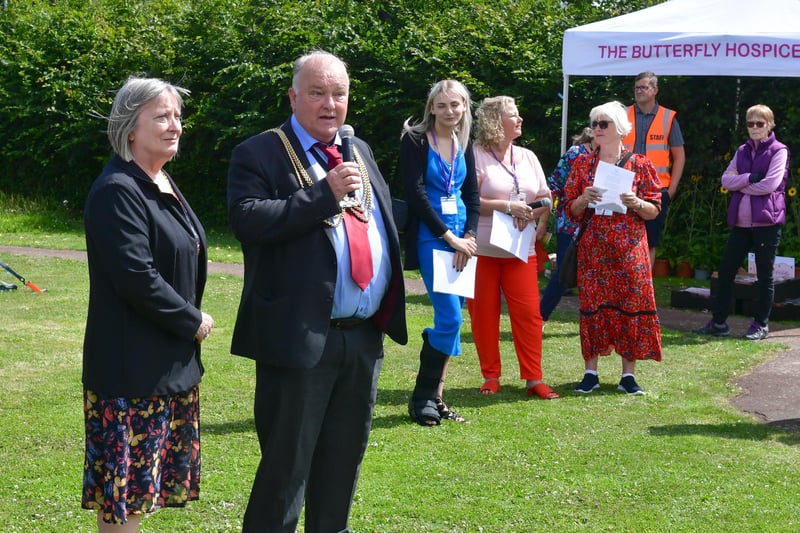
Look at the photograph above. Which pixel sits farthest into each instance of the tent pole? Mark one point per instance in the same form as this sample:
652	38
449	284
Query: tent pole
564	112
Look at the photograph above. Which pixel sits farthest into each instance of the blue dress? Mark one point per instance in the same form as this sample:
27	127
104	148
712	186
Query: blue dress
445	336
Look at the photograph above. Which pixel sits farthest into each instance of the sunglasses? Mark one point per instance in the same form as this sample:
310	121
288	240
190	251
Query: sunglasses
756	123
641	88
602	123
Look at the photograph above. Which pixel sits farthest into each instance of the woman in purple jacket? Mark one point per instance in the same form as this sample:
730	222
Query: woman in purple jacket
756	177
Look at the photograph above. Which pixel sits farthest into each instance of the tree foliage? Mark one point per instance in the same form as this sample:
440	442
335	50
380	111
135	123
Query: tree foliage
63	60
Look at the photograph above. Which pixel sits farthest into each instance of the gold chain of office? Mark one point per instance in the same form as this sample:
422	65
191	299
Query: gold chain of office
304	181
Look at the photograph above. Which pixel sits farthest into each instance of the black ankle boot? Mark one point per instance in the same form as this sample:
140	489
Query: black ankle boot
422	407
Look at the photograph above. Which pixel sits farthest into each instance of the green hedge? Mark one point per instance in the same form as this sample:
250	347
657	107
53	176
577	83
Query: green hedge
61	62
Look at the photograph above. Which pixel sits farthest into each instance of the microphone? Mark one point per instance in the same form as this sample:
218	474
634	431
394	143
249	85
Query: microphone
544	202
346	134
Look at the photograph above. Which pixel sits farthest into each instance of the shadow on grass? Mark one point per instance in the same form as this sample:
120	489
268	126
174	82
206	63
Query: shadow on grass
471	398
673	337
420	299
784	430
549	334
227	428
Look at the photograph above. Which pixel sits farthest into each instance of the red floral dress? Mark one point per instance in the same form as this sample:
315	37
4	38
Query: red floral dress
615	284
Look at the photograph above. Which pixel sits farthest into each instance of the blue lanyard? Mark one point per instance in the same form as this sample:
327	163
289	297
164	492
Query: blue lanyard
448	180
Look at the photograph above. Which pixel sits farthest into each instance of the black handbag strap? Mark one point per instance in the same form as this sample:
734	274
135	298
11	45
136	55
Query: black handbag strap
583	227
620	163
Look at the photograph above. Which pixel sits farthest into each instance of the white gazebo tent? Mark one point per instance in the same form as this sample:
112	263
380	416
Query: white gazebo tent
687	37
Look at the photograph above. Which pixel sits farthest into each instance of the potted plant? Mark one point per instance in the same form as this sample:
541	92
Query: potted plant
666	256
661	268
790	236
700	257
683	268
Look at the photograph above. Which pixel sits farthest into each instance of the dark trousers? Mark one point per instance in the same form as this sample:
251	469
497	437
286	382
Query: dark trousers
655	227
313	426
554	291
763	241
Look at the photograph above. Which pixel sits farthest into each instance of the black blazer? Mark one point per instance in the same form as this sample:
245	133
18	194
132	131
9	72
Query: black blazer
146	284
289	260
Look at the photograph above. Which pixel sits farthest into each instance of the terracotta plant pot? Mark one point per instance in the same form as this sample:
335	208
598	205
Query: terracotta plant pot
684	270
661	268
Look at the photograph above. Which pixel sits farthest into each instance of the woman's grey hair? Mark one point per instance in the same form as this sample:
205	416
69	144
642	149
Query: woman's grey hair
463	128
489	131
618	114
128	105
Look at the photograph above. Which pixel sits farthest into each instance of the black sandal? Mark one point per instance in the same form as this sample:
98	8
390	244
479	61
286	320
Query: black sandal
446	412
424	412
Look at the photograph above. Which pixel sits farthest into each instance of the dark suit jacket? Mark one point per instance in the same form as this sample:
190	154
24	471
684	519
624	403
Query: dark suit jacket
289	261
146	284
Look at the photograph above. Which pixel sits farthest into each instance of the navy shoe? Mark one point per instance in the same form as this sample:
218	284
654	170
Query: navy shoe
590	382
756	332
628	385
717	330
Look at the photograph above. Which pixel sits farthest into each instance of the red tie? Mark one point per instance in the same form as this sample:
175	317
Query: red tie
356	229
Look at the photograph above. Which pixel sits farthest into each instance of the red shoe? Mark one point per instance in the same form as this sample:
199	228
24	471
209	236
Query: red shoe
490	386
542	391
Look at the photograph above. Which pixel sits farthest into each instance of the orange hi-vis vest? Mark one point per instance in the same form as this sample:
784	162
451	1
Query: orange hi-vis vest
657	141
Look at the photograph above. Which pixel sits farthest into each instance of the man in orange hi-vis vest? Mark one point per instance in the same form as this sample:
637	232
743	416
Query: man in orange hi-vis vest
657	135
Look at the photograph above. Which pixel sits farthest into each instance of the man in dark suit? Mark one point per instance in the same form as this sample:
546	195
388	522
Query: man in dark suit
314	327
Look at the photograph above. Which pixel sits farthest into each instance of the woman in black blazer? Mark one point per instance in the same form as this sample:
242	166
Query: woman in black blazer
141	357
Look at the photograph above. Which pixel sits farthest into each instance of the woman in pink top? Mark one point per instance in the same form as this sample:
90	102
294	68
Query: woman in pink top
509	178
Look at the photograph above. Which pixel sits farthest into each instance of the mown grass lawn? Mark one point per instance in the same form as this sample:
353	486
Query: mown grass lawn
678	459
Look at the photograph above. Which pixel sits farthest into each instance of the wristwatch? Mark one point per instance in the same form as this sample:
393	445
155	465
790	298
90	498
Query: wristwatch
508	208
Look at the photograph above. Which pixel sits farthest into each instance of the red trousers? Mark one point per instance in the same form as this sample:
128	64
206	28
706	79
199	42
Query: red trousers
519	283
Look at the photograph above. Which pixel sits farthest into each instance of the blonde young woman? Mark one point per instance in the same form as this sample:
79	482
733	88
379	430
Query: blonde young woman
438	170
509	177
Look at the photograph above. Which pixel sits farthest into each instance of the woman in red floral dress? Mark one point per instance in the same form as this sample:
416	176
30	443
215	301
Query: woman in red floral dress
615	285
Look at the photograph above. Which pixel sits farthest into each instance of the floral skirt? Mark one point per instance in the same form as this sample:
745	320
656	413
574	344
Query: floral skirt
141	453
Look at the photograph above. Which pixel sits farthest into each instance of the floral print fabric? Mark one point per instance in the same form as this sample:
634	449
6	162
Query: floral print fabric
615	285
141	453
557	181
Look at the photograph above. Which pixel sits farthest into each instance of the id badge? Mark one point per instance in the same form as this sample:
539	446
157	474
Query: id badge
518	197
449	205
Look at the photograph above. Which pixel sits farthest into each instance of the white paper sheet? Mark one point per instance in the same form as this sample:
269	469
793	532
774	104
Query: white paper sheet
700	291
783	267
615	181
448	280
506	237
